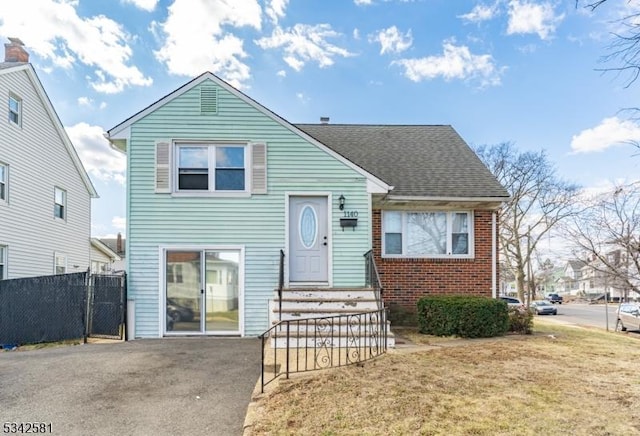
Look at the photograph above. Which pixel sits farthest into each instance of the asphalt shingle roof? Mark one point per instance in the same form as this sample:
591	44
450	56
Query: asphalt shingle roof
418	160
112	243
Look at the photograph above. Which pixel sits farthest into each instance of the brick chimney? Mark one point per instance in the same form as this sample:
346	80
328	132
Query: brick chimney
14	51
119	244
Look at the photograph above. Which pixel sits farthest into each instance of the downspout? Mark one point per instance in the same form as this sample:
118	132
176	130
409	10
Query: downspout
493	255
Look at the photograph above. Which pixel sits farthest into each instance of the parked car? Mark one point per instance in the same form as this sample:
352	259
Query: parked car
543	307
554	298
628	316
177	312
513	302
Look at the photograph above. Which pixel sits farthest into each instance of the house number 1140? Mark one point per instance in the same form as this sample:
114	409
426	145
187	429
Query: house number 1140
350	213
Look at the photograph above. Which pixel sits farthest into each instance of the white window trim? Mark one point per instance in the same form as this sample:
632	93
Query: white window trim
56	255
471	242
64	206
18	100
5	200
4	255
211	192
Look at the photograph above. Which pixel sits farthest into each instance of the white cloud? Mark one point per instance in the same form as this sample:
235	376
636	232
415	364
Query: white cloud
480	12
281	73
145	5
305	43
610	132
98	158
195	39
85	101
119	223
356	33
392	41
90	103
275	9
456	62
362	2
54	31
529	17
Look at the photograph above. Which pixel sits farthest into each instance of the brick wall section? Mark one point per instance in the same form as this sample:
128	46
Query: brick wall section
406	280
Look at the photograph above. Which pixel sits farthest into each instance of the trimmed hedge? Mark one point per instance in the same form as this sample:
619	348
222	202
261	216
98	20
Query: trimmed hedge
463	316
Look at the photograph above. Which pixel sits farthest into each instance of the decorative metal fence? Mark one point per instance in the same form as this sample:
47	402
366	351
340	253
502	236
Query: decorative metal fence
311	344
61	307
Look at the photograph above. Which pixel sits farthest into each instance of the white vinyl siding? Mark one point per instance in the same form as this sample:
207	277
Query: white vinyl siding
15	109
254	219
32	153
436	234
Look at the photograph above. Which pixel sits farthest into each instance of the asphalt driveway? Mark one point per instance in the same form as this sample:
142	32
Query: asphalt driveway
177	386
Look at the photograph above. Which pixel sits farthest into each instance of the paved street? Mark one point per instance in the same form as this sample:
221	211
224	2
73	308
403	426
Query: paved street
588	314
181	386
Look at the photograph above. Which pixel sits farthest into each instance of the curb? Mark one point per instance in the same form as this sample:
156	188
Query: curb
251	415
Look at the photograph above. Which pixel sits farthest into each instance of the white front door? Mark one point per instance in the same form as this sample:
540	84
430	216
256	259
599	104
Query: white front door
308	239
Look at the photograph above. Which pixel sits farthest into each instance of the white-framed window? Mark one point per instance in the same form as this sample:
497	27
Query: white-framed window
59	263
211	167
427	234
15	109
59	203
3	262
98	267
4	182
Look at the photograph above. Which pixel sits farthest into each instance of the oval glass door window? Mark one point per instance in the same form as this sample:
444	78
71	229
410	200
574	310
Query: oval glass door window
308	226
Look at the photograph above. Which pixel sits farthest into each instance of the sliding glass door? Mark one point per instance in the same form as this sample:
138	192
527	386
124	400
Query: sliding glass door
202	291
221	296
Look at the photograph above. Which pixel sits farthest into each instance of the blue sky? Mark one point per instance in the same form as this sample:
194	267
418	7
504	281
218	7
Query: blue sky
506	70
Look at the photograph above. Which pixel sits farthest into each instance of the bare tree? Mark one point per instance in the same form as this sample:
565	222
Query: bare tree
539	200
607	236
625	47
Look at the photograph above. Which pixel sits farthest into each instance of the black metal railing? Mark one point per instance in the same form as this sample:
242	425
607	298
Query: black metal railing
310	344
372	277
280	284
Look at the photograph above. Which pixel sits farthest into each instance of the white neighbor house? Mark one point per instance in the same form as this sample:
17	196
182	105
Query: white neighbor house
45	192
103	258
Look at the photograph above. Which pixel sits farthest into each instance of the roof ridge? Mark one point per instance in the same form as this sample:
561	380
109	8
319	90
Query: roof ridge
372	125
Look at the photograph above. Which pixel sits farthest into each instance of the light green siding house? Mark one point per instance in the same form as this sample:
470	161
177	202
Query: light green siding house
228	202
217	187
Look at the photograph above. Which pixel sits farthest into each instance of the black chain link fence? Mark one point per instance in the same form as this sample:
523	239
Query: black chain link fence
61	307
43	309
108	306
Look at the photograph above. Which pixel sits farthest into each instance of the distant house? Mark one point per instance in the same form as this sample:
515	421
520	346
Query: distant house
227	200
103	258
569	281
596	278
117	245
45	193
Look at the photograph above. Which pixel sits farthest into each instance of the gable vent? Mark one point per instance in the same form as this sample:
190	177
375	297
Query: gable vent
209	100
